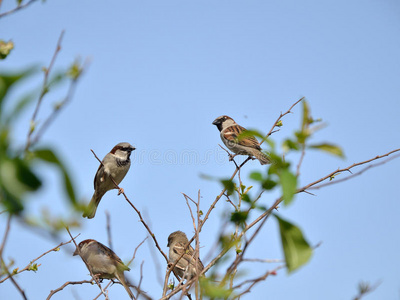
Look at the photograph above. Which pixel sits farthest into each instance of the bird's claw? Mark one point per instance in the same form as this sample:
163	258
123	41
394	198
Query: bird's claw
120	191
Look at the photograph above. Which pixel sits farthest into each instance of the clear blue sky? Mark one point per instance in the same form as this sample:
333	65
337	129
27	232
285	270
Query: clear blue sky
160	72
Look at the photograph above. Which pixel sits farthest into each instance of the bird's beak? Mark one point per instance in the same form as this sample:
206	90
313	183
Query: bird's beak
133	148
76	252
216	122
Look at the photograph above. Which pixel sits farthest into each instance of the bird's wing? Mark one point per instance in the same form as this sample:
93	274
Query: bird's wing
111	254
100	176
188	256
232	132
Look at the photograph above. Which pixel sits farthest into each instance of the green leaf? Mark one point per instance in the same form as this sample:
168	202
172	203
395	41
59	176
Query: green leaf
16	179
288	182
5	48
330	148
257	176
306	116
19	107
268	184
228	185
74	71
239	217
296	249
49	156
212	290
7	80
288	144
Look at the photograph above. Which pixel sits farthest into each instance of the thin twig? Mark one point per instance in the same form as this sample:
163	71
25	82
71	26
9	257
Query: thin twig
108	229
20	6
40	256
3	243
134	253
52	292
141	278
255	281
44	89
353	174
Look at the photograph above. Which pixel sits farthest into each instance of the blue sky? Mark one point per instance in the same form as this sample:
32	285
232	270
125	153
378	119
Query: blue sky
161	72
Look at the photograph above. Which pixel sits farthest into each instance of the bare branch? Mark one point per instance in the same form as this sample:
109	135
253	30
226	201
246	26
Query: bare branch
280	117
28	267
3	243
134	253
108	229
255	281
52	292
20	6
44	88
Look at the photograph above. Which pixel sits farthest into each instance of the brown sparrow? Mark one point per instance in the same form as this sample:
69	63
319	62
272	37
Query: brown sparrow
116	163
103	262
244	146
186	266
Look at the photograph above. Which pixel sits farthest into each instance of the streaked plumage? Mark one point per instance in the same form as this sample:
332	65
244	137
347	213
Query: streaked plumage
230	131
187	266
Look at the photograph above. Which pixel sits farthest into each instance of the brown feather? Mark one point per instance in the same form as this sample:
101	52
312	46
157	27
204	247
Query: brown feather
231	134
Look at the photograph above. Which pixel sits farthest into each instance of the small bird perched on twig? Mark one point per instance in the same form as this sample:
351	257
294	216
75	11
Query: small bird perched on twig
116	163
103	262
187	267
247	145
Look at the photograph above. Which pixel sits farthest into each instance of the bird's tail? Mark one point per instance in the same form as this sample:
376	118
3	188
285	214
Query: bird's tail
90	210
121	279
263	158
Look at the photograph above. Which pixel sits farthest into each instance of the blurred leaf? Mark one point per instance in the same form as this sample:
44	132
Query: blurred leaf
75	70
7	80
288	144
330	148
296	249
239	217
214	291
288	182
16	179
306	116
228	185
302	136
268	184
59	77
5	48
10	202
279	124
49	156
278	164
257	176
19	107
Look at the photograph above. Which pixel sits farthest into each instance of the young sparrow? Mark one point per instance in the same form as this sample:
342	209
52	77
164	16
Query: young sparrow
103	262
116	163
245	146
186	266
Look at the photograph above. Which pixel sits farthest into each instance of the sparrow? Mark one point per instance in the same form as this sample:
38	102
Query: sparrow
186	266
103	262
116	163
248	145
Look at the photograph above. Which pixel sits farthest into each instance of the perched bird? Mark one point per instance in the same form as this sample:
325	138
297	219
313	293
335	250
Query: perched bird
187	266
103	262
247	145
116	163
